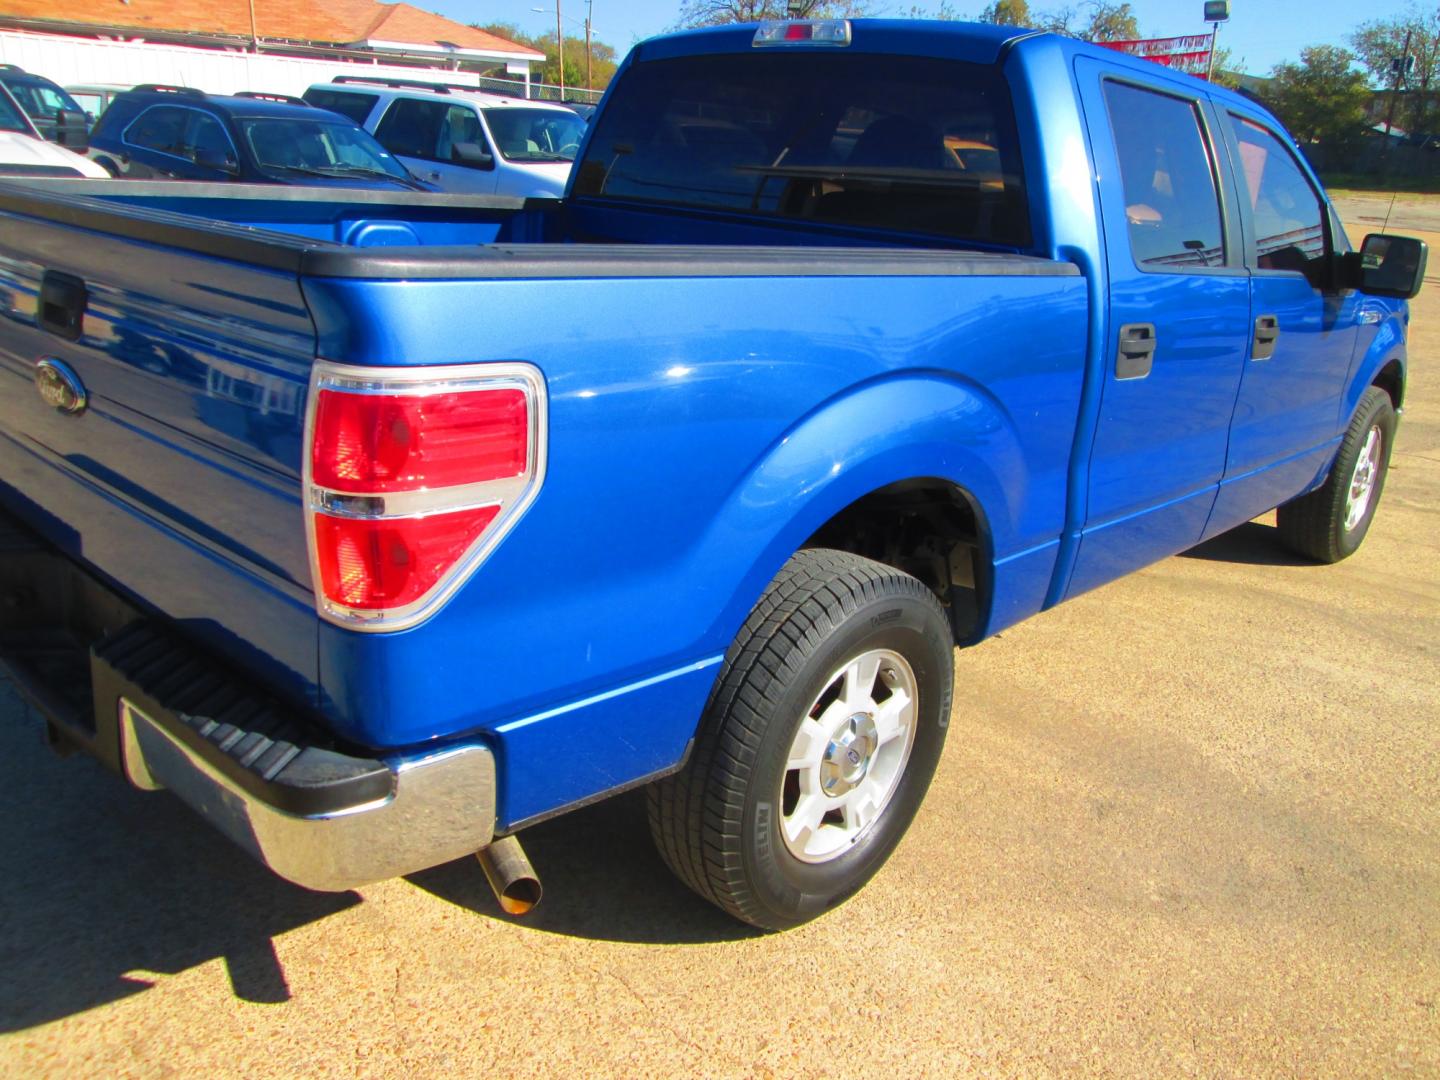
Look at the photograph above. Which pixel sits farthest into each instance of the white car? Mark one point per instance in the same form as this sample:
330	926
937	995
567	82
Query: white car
460	138
24	153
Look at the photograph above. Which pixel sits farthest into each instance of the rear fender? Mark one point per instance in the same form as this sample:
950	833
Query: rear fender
917	425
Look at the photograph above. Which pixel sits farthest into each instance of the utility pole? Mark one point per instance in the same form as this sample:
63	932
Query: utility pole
589	11
560	41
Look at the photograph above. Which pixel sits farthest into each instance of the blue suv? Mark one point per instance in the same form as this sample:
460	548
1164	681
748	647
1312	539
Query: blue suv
178	133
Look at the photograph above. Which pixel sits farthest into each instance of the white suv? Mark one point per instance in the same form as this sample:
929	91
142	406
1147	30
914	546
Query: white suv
459	138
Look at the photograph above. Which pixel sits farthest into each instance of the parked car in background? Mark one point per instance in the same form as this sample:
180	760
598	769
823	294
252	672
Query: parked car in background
459	138
24	153
55	114
179	133
95	98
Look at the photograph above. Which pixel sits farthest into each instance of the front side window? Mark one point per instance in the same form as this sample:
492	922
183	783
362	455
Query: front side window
1289	220
317	148
207	142
1171	206
161	128
904	143
535	134
40	99
345	102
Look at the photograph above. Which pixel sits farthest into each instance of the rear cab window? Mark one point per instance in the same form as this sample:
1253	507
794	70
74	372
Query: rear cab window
910	144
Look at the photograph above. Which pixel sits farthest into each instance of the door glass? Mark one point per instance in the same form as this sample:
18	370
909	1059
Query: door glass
1171	205
1289	226
161	128
413	128
208	140
461	126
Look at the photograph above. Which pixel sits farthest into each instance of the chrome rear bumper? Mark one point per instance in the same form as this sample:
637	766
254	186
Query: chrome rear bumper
441	807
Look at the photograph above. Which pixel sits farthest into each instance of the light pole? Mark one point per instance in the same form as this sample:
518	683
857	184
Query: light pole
1216	12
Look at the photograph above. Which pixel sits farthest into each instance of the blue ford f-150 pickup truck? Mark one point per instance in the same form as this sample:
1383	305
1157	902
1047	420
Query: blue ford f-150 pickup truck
378	529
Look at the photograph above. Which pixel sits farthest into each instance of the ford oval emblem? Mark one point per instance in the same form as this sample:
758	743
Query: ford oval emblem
59	386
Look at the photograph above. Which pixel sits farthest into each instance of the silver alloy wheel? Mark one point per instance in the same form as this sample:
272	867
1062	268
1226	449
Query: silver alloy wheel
848	756
1362	480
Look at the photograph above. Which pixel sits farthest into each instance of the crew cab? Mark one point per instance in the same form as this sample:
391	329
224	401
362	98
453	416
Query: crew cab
379	528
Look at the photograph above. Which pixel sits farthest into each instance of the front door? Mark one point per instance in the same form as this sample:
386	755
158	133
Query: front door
1287	419
423	133
1178	327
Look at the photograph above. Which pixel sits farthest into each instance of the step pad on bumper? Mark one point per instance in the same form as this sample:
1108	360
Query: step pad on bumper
248	738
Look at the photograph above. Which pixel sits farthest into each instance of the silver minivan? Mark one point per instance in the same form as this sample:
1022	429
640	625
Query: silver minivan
460	138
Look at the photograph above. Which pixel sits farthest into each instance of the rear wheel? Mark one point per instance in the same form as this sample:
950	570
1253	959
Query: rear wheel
818	743
1330	523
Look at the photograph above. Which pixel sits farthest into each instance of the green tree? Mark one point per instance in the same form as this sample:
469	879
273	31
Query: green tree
602	56
1382	43
1224	70
1111	22
1007	13
1322	98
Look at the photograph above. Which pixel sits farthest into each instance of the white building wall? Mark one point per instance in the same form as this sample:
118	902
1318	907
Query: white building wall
71	61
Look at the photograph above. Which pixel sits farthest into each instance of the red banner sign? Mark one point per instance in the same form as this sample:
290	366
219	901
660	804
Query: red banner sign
1188	54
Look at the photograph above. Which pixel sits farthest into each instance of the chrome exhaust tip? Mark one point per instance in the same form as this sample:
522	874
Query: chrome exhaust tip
517	888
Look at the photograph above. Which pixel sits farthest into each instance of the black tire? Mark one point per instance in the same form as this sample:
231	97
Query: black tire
1315	524
717	822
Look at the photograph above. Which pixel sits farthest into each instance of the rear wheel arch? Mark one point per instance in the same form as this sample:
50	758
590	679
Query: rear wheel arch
930	528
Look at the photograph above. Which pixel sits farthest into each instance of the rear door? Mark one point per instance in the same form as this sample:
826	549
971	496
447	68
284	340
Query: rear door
1287	418
1178	325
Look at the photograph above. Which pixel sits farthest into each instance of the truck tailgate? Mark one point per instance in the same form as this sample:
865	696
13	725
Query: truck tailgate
180	478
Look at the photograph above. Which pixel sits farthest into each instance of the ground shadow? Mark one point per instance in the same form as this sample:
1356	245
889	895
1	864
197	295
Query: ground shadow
1253	543
104	887
602	879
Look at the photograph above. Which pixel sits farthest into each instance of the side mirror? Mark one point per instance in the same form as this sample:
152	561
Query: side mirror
211	158
472	155
72	129
1389	266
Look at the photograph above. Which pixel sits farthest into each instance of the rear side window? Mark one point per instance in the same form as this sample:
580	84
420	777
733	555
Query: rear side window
160	128
908	143
1171	205
1289	222
345	102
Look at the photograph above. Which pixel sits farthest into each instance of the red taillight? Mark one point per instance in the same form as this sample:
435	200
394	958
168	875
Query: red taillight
374	443
413	476
378	564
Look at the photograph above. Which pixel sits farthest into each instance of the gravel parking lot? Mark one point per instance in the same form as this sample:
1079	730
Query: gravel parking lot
1189	823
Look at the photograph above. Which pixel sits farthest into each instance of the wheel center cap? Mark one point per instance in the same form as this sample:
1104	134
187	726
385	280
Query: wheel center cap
848	754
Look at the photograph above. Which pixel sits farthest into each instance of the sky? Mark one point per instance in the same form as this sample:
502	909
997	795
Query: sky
1262	33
